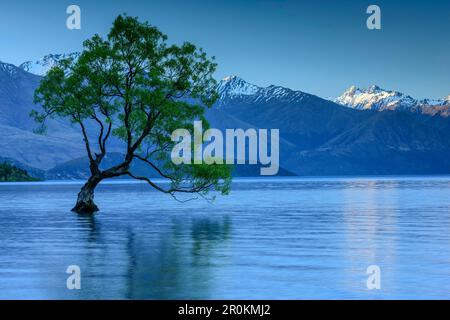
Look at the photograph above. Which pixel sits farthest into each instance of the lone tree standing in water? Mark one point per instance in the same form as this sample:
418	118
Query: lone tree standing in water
136	87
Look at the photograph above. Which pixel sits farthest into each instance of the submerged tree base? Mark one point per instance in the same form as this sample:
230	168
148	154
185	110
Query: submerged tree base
85	208
85	201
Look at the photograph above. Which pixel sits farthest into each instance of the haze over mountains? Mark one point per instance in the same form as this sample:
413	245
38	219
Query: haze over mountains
318	136
18	142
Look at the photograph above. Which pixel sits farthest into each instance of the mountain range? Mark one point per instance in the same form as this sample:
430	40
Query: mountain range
364	131
376	98
321	137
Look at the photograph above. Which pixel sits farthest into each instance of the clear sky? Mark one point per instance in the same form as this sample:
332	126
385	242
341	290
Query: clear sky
320	47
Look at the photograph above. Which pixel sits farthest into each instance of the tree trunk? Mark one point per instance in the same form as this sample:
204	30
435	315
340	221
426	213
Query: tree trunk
85	202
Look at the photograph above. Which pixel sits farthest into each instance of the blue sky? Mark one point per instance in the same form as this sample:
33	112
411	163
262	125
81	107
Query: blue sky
320	47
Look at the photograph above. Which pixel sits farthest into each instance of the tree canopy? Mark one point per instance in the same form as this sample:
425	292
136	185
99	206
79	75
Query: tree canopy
135	86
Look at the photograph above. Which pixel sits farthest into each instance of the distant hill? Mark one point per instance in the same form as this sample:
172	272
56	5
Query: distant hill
11	173
79	169
386	143
18	141
63	141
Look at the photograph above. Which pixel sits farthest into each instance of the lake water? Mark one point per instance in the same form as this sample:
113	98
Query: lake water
289	238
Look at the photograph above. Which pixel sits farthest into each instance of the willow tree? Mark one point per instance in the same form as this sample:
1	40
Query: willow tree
134	86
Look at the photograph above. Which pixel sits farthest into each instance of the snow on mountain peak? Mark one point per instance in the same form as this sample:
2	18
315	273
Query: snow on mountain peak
374	88
235	86
375	98
230	78
351	90
8	68
42	66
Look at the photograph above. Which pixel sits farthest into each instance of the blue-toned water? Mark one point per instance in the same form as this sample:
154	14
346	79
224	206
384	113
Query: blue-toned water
270	239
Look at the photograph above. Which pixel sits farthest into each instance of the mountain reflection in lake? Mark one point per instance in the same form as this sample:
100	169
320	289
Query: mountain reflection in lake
286	238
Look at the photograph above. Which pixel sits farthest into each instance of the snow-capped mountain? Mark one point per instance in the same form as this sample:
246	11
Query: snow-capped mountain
8	69
42	66
320	136
376	98
234	87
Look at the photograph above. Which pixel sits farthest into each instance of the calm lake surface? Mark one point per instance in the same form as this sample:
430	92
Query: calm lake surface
286	238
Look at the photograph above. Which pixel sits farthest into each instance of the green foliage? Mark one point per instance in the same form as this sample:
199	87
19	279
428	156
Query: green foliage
12	173
137	87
